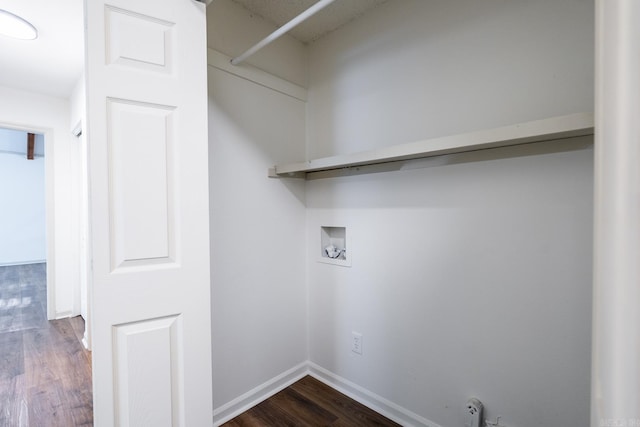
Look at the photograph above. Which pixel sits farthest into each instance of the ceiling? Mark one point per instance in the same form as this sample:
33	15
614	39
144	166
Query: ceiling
53	62
326	20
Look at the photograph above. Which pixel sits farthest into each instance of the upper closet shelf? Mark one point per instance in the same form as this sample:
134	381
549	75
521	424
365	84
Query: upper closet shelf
572	125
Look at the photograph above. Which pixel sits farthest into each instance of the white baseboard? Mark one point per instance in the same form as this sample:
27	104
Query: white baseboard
35	261
63	314
369	399
262	392
85	340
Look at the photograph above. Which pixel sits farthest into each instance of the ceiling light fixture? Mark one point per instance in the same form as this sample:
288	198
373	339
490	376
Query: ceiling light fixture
16	27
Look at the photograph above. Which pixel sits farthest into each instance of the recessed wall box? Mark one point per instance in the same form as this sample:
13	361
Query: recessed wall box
333	246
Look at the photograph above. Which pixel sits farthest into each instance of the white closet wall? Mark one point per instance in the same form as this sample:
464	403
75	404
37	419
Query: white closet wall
414	69
471	273
257	224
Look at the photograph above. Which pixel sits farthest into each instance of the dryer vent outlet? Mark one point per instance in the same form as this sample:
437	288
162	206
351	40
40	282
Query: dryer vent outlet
473	411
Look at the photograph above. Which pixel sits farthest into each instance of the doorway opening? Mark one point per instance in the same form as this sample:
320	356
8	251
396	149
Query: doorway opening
40	337
23	239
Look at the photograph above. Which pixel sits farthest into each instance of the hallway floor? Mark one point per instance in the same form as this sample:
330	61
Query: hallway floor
45	372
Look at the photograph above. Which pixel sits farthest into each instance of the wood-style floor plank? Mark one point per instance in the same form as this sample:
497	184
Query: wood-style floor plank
309	402
13	408
45	372
302	408
11	355
59	376
268	414
348	410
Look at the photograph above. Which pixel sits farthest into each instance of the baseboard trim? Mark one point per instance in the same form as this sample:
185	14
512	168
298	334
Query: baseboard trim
85	341
12	263
369	399
262	392
63	314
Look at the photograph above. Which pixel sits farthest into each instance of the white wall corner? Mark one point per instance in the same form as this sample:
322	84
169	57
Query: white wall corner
223	62
278	383
258	394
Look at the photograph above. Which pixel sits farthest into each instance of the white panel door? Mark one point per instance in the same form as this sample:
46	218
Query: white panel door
147	138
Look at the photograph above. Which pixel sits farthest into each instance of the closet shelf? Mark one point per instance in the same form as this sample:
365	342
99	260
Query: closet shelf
553	128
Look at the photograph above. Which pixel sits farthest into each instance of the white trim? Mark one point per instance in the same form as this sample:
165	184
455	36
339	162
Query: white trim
36	261
615	373
369	399
49	191
23	153
258	394
63	314
85	338
223	62
333	261
50	187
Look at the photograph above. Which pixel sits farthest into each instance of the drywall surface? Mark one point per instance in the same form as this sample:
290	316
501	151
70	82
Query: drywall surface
22	184
257	236
50	116
257	227
471	274
232	29
417	69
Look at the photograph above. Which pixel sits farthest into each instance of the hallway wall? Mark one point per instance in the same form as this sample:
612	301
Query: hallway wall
22	184
50	116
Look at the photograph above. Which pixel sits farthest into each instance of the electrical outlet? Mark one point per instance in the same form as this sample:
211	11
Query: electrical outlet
356	342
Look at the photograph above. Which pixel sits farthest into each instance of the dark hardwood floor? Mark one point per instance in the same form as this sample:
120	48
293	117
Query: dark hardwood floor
309	402
45	372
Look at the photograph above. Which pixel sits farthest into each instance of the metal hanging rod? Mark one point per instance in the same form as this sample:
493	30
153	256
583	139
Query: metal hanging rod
282	30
